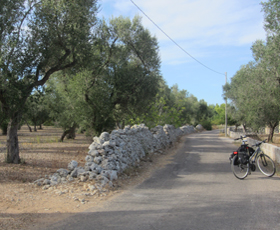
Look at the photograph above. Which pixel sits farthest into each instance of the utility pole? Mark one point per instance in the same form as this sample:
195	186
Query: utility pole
226	110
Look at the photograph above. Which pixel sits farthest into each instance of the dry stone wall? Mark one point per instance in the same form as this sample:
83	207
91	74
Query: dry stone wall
110	154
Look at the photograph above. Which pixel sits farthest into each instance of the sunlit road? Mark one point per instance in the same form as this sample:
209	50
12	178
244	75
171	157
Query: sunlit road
196	190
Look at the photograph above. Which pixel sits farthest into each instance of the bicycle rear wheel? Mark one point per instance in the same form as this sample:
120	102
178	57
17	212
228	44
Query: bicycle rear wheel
239	170
266	165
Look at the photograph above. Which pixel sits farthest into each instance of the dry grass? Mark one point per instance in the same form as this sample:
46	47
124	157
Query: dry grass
41	154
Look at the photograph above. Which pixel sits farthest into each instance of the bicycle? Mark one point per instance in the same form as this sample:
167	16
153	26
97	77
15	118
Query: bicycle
243	148
243	163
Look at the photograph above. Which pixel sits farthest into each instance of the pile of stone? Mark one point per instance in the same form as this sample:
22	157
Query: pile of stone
111	154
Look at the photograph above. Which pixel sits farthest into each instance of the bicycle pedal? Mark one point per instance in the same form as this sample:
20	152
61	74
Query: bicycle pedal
253	167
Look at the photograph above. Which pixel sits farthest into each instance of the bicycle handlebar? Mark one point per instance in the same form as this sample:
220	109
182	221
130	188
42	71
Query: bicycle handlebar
258	144
240	138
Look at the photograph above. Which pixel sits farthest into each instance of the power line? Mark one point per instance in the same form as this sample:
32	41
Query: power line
175	41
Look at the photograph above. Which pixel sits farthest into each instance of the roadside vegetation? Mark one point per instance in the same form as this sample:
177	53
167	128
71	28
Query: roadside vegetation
255	89
60	65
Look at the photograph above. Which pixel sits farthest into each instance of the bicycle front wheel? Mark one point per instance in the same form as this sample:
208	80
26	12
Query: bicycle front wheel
239	170
266	165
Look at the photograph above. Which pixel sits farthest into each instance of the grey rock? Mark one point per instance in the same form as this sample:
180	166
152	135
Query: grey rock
46	187
89	158
199	127
39	182
95	145
63	172
46	182
72	165
111	154
104	136
70	178
77	172
97	160
92	175
110	174
83	178
93	152
97	140
103	180
55	179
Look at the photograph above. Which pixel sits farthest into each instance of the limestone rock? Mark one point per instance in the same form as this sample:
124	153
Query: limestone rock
73	164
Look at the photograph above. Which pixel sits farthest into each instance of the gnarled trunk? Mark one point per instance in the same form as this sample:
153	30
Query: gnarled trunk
12	155
244	128
272	126
71	133
30	129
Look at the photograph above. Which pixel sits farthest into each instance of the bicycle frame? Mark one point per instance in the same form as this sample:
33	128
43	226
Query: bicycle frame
242	169
255	154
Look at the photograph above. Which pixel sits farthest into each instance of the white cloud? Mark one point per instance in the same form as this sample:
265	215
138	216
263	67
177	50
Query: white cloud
221	21
196	25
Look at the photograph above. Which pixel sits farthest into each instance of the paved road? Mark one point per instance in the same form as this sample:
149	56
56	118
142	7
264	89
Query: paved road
196	190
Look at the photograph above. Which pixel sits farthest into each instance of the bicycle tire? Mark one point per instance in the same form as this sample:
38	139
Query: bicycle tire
266	165
239	170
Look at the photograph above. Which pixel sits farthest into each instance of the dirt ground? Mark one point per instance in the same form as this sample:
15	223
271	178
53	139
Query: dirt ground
24	205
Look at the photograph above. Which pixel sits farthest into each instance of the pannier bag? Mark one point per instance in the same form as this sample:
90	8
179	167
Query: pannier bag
243	157
250	150
243	152
236	162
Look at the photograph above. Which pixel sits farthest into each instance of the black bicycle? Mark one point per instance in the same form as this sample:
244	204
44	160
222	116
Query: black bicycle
244	147
243	162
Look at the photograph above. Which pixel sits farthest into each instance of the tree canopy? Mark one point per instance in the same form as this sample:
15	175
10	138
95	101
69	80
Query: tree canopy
37	39
60	64
255	88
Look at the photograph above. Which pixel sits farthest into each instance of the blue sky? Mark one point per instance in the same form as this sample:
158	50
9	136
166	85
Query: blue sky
218	33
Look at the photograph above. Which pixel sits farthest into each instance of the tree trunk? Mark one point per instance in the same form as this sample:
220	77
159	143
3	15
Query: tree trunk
12	142
69	131
35	128
28	126
272	126
244	128
72	133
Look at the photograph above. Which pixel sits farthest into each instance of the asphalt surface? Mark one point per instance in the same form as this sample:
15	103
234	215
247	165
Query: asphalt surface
196	190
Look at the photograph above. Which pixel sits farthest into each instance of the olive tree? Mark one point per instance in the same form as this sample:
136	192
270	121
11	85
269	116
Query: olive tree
254	94
124	76
37	39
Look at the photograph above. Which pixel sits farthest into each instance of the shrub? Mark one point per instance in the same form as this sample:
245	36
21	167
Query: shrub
206	124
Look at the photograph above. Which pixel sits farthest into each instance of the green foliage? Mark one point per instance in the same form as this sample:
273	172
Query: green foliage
36	108
255	89
37	39
4	126
271	16
207	124
219	115
176	107
121	78
58	65
4	121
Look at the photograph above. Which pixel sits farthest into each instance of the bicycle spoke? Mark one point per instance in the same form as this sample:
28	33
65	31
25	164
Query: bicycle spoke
266	165
239	170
